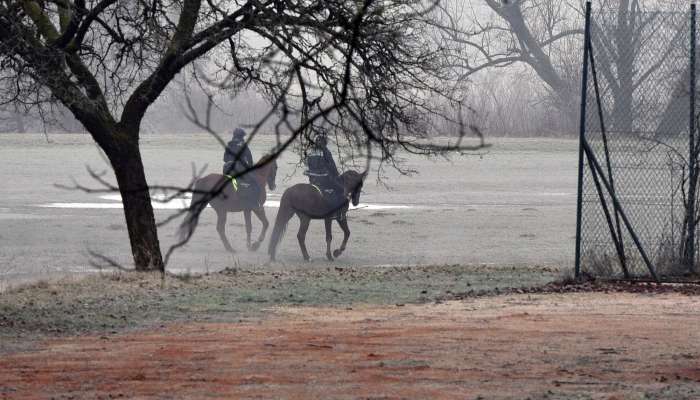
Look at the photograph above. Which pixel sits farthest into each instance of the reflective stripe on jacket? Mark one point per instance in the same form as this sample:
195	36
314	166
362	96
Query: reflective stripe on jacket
319	162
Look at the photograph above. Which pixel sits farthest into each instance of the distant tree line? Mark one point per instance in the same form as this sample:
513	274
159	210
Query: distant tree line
166	115
511	104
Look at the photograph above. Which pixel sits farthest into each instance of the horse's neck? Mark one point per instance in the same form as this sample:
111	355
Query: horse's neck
349	183
261	175
346	183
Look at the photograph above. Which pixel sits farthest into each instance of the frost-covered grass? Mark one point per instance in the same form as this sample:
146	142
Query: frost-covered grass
116	301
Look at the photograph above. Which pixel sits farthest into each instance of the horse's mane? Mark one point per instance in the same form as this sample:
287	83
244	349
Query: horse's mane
266	160
352	174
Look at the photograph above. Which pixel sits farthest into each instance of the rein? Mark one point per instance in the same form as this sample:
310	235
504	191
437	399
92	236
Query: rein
234	181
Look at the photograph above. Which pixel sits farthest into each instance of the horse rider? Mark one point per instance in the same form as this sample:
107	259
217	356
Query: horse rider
238	159
321	168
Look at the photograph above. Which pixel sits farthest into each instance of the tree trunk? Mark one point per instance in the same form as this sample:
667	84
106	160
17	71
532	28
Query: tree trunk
138	210
19	120
537	58
623	113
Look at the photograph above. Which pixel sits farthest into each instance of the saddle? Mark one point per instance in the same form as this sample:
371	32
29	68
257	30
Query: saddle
332	199
252	196
324	192
237	184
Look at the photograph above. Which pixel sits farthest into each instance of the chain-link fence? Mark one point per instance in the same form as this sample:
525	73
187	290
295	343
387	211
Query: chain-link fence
636	135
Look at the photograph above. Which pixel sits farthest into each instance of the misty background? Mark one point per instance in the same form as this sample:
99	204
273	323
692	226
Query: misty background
521	66
508	102
509	91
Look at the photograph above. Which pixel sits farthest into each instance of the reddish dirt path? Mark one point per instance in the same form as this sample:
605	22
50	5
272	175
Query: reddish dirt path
609	346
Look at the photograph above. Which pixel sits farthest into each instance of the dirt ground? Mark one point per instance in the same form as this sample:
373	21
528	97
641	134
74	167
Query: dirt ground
553	346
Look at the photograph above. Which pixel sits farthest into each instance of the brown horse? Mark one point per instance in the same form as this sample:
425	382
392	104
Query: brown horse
230	199
307	202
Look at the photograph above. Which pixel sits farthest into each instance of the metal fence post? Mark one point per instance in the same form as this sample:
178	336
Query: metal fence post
595	166
582	133
615	233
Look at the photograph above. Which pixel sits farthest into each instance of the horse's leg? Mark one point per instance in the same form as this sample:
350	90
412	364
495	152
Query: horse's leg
260	213
248	227
301	235
346	235
329	238
221	228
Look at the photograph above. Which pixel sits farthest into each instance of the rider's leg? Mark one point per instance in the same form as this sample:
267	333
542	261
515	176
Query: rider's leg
338	190
252	191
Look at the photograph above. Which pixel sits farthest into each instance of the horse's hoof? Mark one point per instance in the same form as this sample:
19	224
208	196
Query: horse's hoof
255	246
307	258
337	253
329	257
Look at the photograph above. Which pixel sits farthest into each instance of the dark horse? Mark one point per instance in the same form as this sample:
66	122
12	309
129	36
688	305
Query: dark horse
307	202
230	200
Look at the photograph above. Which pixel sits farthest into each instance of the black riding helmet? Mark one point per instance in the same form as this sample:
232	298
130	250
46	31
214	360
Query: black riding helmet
238	134
321	138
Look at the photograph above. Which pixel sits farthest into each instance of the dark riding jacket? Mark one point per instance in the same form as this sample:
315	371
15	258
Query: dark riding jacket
320	164
238	158
245	157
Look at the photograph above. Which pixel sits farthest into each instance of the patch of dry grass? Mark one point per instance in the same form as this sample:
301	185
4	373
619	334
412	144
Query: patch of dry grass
114	301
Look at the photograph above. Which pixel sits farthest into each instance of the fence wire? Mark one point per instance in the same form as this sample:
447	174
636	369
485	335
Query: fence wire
641	65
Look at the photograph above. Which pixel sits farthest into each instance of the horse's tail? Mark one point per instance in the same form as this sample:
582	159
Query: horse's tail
199	201
284	214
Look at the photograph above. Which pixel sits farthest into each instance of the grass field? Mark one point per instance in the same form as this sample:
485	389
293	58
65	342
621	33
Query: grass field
512	204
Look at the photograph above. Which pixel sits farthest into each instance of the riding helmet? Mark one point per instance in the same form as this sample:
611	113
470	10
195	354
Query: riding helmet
238	133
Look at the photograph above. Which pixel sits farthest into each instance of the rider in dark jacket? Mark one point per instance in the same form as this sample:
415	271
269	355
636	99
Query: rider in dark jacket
238	158
321	168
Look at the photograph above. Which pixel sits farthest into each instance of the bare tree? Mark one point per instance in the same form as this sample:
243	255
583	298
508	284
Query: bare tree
371	68
515	104
543	35
547	37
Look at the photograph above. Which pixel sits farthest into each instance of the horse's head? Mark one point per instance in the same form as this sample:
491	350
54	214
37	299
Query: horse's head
353	181
272	175
269	171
